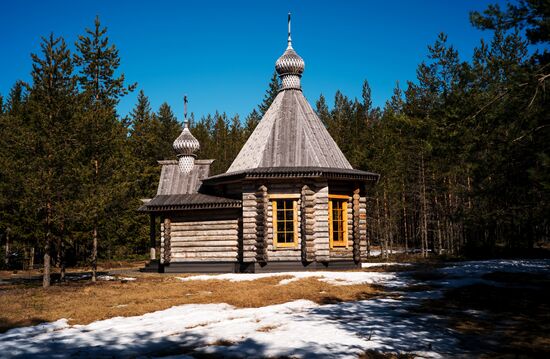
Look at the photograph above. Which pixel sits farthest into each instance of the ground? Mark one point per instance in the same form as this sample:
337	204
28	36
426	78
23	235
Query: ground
497	308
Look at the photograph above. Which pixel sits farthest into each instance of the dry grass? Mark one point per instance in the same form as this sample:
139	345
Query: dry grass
267	328
85	302
102	266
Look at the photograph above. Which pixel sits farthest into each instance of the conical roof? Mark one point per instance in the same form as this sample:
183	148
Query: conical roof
290	133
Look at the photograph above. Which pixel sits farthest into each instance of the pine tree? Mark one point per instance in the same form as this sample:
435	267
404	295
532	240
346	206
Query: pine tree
531	15
145	138
52	115
98	61
250	123
322	110
14	129
270	94
170	129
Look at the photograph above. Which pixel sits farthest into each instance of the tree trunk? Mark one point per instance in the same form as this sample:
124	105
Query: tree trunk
47	259
94	253
378	225
7	257
94	234
438	220
387	229
31	258
62	253
406	229
424	211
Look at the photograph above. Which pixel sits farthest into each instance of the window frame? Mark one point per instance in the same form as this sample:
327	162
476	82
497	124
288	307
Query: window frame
345	230
294	198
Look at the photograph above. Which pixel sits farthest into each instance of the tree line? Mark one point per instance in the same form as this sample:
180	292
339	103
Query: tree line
463	151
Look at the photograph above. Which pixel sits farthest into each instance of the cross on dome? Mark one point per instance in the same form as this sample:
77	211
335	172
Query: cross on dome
186	145
290	66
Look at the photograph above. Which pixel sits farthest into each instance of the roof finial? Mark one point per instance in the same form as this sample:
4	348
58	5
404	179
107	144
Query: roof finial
290	65
186	144
185	121
289	38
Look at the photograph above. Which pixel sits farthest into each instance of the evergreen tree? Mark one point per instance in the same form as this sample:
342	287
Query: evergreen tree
101	90
52	116
170	129
250	123
322	110
15	217
270	94
145	143
531	15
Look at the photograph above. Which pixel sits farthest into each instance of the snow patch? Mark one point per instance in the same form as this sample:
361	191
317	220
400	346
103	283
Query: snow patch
299	329
385	264
334	278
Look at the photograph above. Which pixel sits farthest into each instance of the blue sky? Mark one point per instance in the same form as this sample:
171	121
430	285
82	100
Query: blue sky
222	54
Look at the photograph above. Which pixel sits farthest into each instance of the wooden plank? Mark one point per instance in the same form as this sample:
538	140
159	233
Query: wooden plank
209	255
204	244
199	250
287	258
204	260
219	232
182	229
203	238
179	223
338	196
282	252
284	196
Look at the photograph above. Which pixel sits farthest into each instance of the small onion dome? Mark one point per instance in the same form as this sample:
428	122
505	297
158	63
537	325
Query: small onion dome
185	146
290	66
290	63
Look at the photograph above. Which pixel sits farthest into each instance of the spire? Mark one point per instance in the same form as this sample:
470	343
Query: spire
289	37
185	121
186	145
290	66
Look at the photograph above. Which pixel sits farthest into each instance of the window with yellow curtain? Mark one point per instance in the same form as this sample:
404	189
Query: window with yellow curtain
338	220
285	221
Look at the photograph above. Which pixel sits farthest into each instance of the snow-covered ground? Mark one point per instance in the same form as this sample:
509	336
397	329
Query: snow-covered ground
334	278
300	328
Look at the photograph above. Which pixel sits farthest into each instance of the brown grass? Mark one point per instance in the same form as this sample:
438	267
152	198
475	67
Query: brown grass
267	328
84	302
102	266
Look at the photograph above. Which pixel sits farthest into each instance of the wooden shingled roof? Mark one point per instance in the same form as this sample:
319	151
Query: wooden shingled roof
290	135
188	201
173	181
179	191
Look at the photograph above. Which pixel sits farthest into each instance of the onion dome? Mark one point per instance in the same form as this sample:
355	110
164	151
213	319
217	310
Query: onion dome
185	146
290	66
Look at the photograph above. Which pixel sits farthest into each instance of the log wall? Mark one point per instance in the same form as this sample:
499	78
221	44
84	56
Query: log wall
321	236
308	224
363	224
250	227
247	235
356	226
197	240
262	206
